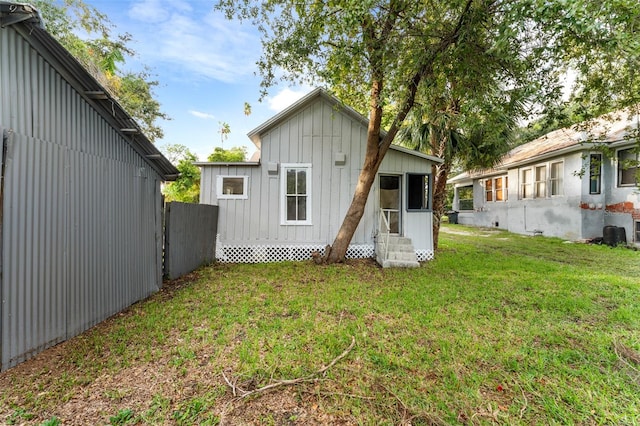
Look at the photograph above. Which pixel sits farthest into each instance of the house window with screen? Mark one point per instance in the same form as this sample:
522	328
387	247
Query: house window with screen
628	168
232	187
555	180
488	190
295	203
637	230
465	198
541	182
418	192
526	183
595	173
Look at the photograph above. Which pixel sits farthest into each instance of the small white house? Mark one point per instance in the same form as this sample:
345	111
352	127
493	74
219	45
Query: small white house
560	185
291	201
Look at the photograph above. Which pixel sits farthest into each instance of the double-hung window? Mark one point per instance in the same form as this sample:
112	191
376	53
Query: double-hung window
496	189
555	179
501	184
488	190
295	199
628	167
526	183
541	182
595	173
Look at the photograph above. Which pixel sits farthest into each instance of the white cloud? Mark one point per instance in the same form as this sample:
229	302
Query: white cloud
205	45
286	97
203	115
150	11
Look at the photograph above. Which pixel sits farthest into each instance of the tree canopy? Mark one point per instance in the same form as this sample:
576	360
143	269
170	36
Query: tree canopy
87	34
231	155
384	57
186	188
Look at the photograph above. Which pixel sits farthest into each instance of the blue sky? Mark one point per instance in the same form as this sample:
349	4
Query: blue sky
206	68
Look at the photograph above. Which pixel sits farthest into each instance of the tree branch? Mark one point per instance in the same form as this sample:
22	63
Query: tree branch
278	383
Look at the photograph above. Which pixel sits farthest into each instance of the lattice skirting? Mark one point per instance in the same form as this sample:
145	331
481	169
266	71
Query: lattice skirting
424	255
280	253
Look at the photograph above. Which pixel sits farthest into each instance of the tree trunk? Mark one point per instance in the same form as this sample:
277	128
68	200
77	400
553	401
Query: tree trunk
372	160
439	197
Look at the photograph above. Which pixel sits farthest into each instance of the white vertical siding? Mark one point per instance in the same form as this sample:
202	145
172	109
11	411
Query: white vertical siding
313	134
81	216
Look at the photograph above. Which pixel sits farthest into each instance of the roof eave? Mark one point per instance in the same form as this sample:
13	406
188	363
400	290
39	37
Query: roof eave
32	29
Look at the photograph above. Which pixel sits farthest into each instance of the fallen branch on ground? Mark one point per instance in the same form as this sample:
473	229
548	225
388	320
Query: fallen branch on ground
313	376
626	355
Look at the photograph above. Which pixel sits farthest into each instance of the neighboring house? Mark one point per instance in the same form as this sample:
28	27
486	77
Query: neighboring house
559	185
80	201
293	200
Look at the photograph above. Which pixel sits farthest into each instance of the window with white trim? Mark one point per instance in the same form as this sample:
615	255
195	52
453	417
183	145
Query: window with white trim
595	173
496	189
232	187
295	199
502	192
628	167
541	182
555	178
526	183
637	231
488	190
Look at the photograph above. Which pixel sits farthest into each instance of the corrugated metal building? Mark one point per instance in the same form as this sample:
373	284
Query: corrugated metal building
80	201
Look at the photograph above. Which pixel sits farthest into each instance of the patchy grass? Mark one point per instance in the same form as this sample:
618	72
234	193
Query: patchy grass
500	328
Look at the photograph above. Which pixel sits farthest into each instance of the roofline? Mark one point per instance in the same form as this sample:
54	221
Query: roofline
319	92
26	20
504	168
226	163
254	134
416	153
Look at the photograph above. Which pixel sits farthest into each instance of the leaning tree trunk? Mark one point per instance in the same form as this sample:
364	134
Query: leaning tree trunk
439	198
373	158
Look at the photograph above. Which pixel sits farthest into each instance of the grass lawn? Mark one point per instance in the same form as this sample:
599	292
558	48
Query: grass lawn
500	328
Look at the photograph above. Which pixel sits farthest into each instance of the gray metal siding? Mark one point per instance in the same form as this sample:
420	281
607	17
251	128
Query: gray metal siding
81	222
312	135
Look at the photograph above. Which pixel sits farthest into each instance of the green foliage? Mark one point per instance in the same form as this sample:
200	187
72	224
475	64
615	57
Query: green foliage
101	53
224	131
18	416
186	188
124	416
54	421
232	155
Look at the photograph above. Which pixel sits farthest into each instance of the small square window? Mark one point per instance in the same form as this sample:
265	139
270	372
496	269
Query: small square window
232	187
